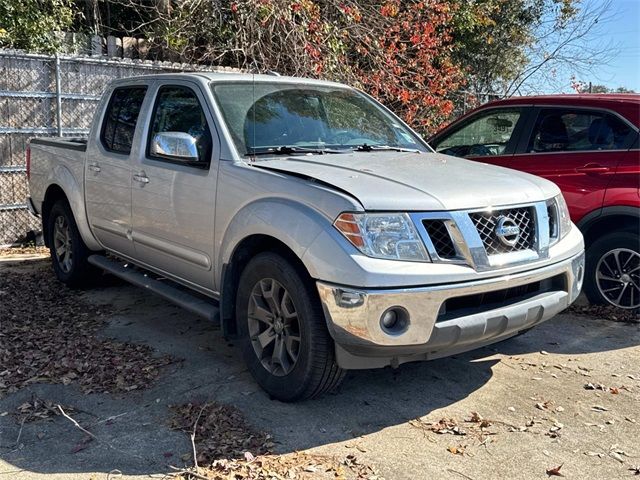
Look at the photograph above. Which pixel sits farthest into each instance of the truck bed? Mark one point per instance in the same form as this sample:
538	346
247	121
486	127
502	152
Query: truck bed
55	154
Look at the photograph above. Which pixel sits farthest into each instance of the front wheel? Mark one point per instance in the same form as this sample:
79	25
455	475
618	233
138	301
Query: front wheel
612	272
68	251
283	334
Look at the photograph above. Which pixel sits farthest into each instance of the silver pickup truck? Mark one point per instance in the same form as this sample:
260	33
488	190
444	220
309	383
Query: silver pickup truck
311	222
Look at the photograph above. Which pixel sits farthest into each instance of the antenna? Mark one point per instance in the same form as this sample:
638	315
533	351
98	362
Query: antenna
253	105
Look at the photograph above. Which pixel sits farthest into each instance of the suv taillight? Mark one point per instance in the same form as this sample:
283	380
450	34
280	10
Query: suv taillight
28	162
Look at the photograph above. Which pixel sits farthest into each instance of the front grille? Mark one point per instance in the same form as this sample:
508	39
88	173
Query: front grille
440	238
487	222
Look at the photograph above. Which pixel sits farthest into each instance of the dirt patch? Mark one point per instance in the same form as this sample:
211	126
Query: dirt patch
48	334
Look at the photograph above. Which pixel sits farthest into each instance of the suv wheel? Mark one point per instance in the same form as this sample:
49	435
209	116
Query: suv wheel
283	333
613	270
68	251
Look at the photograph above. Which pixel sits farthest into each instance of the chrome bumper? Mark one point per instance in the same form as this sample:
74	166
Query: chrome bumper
353	316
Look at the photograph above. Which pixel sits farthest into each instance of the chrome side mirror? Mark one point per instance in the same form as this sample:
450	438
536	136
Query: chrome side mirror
175	146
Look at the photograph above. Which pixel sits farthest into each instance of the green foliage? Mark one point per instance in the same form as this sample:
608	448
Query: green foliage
30	24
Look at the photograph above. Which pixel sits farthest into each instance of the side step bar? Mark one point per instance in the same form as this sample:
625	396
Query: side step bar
202	306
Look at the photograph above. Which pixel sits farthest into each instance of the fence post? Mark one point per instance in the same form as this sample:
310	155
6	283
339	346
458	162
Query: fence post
58	97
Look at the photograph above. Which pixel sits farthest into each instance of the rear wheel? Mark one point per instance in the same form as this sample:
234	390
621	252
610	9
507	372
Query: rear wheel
284	338
68	251
613	270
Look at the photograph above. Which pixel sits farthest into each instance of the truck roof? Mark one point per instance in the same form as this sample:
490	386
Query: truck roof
224	76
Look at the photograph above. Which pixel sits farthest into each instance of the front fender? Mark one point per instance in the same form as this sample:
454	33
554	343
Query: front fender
73	189
294	224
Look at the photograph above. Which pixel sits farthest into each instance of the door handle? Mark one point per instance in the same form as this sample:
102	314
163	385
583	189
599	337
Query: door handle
94	167
141	178
593	168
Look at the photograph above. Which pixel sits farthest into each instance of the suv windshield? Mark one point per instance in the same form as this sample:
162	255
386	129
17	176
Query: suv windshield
263	116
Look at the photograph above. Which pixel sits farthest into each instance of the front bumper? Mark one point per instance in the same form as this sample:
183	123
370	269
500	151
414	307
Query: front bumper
353	315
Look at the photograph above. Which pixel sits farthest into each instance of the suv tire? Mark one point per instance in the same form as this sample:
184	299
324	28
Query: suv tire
613	264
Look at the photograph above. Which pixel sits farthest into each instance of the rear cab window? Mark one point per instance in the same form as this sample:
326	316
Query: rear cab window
121	118
579	130
487	133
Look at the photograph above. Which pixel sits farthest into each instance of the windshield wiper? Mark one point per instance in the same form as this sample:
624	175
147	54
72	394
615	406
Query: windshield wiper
378	148
286	150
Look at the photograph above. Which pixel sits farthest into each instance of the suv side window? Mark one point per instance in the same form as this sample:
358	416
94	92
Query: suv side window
574	130
488	133
120	119
178	109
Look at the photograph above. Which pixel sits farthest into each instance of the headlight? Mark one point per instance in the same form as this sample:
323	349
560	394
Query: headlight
559	219
383	235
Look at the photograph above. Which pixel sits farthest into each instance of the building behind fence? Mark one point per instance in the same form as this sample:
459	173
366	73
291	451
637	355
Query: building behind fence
43	95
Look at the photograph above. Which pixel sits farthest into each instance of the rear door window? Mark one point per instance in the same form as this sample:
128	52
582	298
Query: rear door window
578	130
489	133
121	117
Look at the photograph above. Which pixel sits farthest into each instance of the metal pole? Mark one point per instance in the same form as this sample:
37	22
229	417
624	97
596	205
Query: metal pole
58	97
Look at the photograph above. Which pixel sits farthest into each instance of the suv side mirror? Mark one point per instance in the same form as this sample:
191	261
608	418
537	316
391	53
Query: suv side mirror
176	146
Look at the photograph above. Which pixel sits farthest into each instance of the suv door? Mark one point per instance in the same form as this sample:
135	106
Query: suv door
485	136
579	149
108	169
174	198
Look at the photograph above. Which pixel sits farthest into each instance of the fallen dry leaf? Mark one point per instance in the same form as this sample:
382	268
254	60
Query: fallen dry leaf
543	405
606	312
51	336
459	450
555	471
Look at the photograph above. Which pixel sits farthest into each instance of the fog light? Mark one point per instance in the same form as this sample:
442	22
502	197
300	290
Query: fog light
389	319
394	320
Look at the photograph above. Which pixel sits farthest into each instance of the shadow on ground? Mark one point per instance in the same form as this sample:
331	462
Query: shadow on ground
132	429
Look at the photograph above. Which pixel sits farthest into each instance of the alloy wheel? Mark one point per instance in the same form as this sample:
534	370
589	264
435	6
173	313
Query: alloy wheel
618	277
62	244
274	327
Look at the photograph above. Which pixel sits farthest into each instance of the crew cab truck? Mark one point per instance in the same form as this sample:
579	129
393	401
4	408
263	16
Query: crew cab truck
311	222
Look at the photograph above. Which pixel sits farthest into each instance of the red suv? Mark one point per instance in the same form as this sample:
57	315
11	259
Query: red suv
588	146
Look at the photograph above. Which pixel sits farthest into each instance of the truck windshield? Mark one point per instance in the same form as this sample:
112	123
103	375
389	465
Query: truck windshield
264	117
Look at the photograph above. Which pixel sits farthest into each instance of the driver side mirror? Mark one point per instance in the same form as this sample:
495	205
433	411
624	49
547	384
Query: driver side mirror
178	147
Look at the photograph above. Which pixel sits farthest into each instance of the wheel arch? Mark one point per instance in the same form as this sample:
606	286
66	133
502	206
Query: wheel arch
609	219
71	192
244	251
52	195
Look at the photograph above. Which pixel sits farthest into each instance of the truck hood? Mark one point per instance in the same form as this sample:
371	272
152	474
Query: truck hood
399	181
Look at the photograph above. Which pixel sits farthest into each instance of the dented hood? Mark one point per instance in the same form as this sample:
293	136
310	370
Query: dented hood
399	181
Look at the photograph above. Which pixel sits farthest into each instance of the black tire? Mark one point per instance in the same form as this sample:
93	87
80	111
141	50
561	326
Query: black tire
314	371
629	243
74	270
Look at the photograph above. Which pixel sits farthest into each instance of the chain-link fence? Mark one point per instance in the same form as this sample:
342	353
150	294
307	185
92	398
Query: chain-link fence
465	101
43	95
